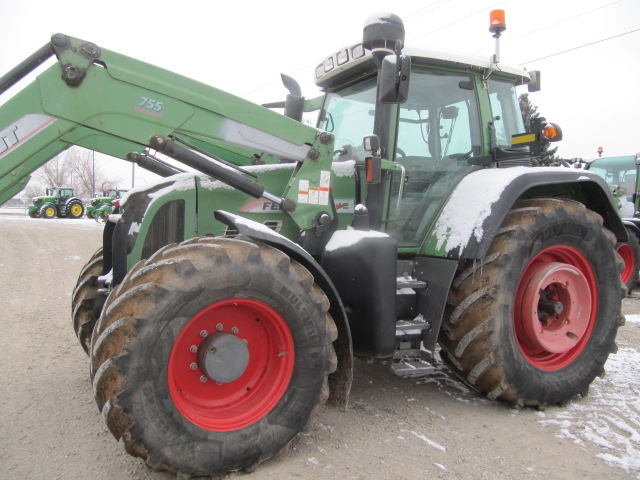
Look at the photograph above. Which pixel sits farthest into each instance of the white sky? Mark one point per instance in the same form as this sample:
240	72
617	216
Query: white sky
242	46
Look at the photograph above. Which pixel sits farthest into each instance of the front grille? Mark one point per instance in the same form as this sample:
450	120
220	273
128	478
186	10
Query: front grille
167	227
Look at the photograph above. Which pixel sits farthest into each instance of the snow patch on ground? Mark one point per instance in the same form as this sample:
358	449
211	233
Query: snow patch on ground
431	443
609	417
633	318
81	223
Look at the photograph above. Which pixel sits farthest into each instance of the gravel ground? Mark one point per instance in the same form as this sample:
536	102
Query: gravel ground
405	429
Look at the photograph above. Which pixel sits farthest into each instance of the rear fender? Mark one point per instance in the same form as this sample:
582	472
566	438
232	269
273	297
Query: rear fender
478	205
71	199
632	225
341	379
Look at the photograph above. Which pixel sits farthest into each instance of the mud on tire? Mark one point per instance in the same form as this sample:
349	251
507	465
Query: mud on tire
151	386
534	321
84	309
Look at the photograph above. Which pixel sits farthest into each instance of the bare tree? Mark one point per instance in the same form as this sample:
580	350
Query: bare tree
76	168
33	189
55	172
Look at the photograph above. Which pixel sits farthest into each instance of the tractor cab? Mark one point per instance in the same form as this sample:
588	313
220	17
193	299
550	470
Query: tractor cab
621	175
115	193
459	114
61	193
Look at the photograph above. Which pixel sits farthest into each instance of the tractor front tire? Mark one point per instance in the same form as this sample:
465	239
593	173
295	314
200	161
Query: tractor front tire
630	253
85	301
48	211
211	355
534	321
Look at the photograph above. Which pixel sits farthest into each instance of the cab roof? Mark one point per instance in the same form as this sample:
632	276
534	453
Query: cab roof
355	61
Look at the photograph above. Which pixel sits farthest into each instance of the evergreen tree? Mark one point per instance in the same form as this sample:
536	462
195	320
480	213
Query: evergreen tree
529	113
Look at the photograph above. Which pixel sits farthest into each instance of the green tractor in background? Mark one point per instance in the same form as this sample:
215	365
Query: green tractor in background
102	207
621	173
58	202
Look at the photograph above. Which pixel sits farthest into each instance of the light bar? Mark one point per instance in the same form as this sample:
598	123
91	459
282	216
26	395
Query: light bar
341	58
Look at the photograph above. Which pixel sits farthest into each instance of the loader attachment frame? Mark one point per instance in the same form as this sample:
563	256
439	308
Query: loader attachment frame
113	104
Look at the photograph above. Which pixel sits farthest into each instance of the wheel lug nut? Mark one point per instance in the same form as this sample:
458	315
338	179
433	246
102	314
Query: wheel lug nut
193	366
235	330
204	333
203	378
193	349
219	327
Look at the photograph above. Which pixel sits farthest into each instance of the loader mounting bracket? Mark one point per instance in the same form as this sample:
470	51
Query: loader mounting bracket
75	57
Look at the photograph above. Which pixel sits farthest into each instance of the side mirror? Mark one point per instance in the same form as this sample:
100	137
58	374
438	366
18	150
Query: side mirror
534	83
371	143
637	158
394	79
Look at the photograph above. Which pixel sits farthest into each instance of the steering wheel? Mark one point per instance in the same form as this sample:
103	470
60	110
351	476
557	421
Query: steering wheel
400	152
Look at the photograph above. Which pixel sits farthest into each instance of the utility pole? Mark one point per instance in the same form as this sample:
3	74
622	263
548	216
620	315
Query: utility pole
93	176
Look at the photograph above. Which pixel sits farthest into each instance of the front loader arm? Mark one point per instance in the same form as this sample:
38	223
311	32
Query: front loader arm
113	104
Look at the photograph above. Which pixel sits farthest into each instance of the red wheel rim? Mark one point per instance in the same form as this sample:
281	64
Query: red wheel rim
555	307
239	403
626	252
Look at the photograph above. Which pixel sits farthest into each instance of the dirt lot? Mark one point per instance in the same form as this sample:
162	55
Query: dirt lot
395	428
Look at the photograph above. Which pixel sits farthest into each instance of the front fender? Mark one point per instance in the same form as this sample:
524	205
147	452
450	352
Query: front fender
342	378
478	205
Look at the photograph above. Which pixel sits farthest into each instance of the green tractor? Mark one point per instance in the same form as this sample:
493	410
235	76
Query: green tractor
226	304
621	173
58	202
102	207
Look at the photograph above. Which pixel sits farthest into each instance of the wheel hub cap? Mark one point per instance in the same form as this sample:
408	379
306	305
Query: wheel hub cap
556	307
223	357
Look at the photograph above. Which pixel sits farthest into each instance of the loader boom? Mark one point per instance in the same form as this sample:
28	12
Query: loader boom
113	104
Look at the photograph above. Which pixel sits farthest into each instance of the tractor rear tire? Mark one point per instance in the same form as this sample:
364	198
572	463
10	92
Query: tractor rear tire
84	306
170	317
75	209
534	321
630	253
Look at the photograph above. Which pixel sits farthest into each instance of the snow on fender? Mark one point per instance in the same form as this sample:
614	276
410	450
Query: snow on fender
473	213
